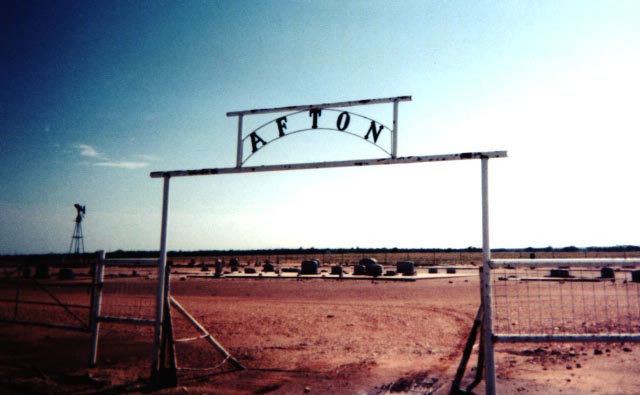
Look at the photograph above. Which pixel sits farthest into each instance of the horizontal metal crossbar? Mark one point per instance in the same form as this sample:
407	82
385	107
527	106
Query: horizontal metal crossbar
45	283
79	284
319	106
568	338
36	302
122	320
46	325
206	369
501	263
325	165
133	262
190	339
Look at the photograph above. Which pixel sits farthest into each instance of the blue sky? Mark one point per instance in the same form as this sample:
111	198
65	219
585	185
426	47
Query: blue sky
96	95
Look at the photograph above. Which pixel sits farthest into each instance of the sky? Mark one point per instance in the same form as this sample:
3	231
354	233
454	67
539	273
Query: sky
95	95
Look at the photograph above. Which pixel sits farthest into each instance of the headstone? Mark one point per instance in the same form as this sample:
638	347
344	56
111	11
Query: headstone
359	270
337	270
607	272
309	267
42	270
66	274
406	268
559	273
367	263
268	267
375	270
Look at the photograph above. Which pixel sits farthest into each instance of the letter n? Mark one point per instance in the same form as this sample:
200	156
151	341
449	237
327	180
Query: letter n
372	130
255	140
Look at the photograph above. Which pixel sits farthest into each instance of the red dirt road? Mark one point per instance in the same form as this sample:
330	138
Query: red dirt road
311	336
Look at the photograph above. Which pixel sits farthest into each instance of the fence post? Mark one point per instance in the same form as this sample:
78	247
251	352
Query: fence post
96	304
487	321
162	263
15	307
168	375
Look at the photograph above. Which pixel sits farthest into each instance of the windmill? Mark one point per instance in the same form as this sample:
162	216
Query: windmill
77	242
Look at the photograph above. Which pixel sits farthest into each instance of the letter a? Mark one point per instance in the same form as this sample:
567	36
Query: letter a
372	129
255	139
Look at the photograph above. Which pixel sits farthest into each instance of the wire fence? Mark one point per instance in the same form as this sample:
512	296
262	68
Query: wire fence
390	258
129	294
41	295
535	301
564	301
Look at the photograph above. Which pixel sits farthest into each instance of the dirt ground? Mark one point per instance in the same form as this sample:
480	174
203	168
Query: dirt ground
298	336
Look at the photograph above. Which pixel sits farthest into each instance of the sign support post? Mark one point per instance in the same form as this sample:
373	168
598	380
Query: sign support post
394	133
160	300
239	151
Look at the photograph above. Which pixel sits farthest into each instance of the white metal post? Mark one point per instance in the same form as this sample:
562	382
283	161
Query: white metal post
239	151
487	326
394	137
96	304
162	263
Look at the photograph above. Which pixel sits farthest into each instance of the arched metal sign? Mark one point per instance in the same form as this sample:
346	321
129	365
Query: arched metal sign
327	116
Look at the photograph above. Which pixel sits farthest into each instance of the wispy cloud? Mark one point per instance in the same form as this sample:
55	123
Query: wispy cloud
88	151
146	158
123	164
101	160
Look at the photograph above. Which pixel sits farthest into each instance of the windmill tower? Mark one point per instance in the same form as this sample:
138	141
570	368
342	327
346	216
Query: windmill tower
77	242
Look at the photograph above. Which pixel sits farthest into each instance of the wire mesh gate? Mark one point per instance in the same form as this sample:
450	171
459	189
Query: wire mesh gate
130	291
31	295
126	293
559	300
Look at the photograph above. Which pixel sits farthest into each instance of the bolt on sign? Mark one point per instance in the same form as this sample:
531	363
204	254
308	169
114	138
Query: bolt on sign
327	116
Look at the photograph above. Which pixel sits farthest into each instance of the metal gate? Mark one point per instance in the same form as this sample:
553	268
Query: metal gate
32	294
